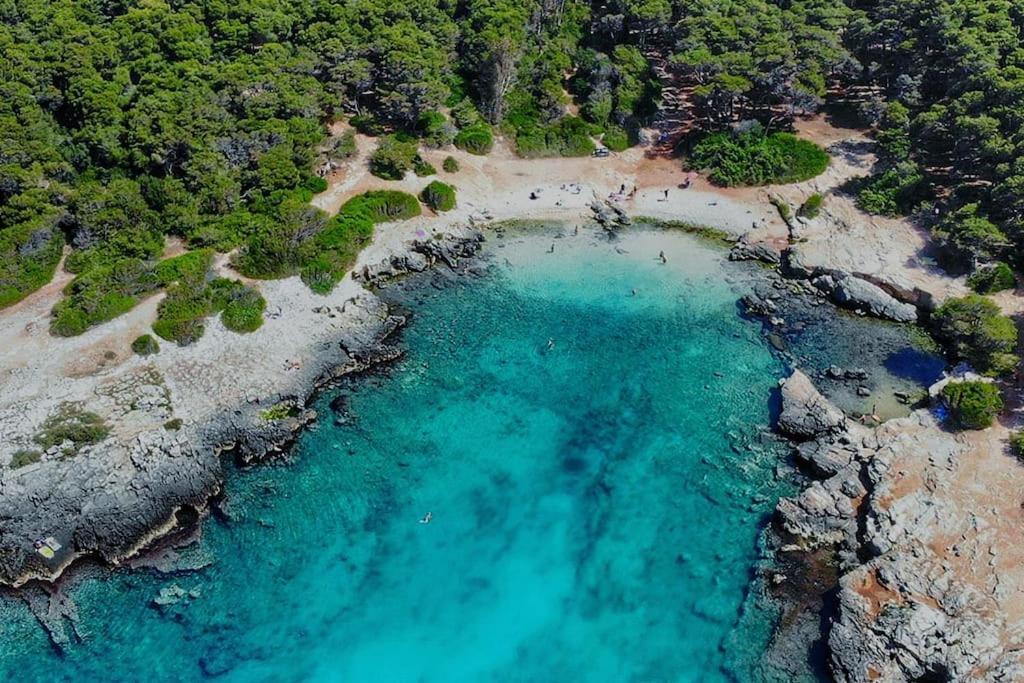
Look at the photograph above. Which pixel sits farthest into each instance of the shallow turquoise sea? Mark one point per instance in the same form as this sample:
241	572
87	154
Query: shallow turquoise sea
596	503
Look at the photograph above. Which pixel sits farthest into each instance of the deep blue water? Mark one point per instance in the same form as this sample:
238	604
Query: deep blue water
596	506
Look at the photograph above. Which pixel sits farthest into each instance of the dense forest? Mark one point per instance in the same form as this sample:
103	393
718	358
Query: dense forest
126	121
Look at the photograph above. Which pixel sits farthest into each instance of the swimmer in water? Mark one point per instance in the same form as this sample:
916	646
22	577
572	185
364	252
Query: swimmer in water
426	518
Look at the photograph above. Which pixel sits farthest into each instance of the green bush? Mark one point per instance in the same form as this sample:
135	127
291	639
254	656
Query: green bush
105	290
71	423
29	254
24	457
975	330
466	115
434	129
1017	442
893	192
191	267
180	315
566	137
812	207
145	345
439	196
967	236
423	168
367	125
450	165
383	205
972	405
242	306
173	425
992	278
393	157
477	139
754	158
344	146
617	139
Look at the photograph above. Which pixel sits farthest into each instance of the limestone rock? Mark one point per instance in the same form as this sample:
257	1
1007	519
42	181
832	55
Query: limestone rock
806	414
860	295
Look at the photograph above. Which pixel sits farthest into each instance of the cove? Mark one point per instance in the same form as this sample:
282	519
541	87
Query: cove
588	428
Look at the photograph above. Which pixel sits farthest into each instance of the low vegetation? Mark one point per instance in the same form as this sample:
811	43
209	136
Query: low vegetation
71	428
753	157
569	136
145	345
811	207
181	315
25	456
972	405
1017	443
476	139
439	196
280	411
394	156
450	165
992	278
974	330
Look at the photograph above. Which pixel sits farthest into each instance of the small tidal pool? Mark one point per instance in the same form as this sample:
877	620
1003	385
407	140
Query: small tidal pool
588	430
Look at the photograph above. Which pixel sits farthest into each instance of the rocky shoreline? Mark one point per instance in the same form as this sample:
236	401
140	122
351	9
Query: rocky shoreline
901	613
127	493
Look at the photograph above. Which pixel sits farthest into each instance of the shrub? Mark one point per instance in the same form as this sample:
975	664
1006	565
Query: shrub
191	267
242	306
893	192
1017	442
477	139
567	137
450	165
24	457
974	330
29	254
383	205
992	278
366	124
344	146
616	139
966	236
280	411
104	291
972	405
180	315
393	157
71	423
434	129
754	158
423	168
439	196
314	184
812	207
172	425
466	115
145	345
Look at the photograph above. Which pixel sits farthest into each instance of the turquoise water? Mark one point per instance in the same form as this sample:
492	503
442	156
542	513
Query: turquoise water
596	506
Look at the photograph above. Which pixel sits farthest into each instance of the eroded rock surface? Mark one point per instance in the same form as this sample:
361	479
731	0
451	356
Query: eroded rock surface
926	525
171	415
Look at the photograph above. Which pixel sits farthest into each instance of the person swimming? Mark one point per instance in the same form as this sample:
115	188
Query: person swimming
426	518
